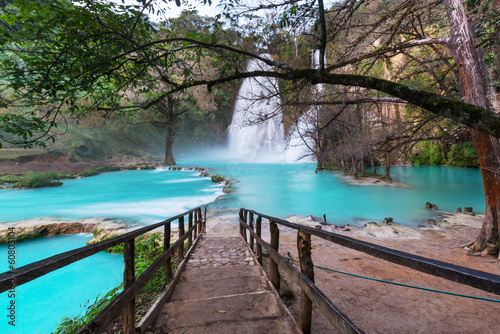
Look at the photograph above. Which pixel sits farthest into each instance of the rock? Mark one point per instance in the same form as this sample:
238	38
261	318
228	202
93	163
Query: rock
420	225
429	205
318	227
47	228
217	178
468	211
372	224
388	221
432	222
459	210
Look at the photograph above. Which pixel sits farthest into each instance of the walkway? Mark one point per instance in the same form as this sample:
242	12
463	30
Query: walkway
223	290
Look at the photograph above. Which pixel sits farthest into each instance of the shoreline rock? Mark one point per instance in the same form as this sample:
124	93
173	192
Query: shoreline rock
371	181
101	228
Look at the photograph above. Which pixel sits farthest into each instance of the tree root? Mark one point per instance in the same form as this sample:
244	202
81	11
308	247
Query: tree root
468	245
486	249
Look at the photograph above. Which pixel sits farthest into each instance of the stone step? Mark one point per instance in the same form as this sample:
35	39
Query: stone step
236	311
257	326
208	288
219	273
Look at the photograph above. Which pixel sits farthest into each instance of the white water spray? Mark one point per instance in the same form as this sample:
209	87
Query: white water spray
256	130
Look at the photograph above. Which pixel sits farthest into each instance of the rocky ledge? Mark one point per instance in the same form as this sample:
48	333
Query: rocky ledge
101	228
372	181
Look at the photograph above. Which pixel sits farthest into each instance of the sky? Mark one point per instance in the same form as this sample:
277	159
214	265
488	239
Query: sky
171	9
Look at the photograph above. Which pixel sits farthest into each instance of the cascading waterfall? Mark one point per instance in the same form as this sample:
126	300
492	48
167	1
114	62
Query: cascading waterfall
301	142
256	130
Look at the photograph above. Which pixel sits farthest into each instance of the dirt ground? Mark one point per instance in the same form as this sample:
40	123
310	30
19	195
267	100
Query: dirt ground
47	163
382	308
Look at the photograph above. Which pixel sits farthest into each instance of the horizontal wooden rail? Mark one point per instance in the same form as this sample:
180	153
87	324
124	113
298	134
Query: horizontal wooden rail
478	279
37	269
310	293
110	312
325	305
126	299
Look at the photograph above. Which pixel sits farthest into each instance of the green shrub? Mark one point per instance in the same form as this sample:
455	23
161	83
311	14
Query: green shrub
463	155
38	180
9	179
70	325
428	153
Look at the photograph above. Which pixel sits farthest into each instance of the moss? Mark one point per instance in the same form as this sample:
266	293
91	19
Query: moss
217	178
39	180
24	237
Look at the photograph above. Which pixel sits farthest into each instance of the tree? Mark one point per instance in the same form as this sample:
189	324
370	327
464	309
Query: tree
95	49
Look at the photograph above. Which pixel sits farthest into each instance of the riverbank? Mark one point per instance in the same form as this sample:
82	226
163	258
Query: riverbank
372	181
101	228
383	308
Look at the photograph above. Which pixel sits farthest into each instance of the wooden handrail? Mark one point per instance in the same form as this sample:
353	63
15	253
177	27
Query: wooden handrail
37	269
478	279
325	305
310	292
126	299
110	312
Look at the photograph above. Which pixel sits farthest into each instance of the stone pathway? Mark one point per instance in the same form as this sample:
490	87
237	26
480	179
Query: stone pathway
213	253
223	290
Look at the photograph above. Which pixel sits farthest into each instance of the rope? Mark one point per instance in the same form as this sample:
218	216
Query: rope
402	284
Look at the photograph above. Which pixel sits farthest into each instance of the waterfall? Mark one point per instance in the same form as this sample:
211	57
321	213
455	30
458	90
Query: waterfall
256	130
301	139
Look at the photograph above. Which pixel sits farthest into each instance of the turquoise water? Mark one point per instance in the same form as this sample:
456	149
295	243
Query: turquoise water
42	303
284	189
142	197
276	189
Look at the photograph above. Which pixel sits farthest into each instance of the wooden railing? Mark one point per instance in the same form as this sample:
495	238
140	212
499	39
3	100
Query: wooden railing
125	301
310	293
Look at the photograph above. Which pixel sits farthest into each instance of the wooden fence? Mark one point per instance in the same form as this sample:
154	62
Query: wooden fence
310	293
125	301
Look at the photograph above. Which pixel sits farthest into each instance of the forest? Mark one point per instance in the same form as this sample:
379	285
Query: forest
403	82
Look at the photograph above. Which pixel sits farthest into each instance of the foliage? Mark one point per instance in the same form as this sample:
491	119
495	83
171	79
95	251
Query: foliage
70	325
434	153
428	154
462	155
38	180
146	252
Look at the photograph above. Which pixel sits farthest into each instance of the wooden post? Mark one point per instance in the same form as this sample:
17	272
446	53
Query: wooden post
166	245
205	221
307	268
190	236
128	279
181	233
251	227
274	272
241	219
191	222
258	223
245	220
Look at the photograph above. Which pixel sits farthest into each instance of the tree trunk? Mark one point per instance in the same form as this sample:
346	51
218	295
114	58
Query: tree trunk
374	170
169	137
169	141
472	71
